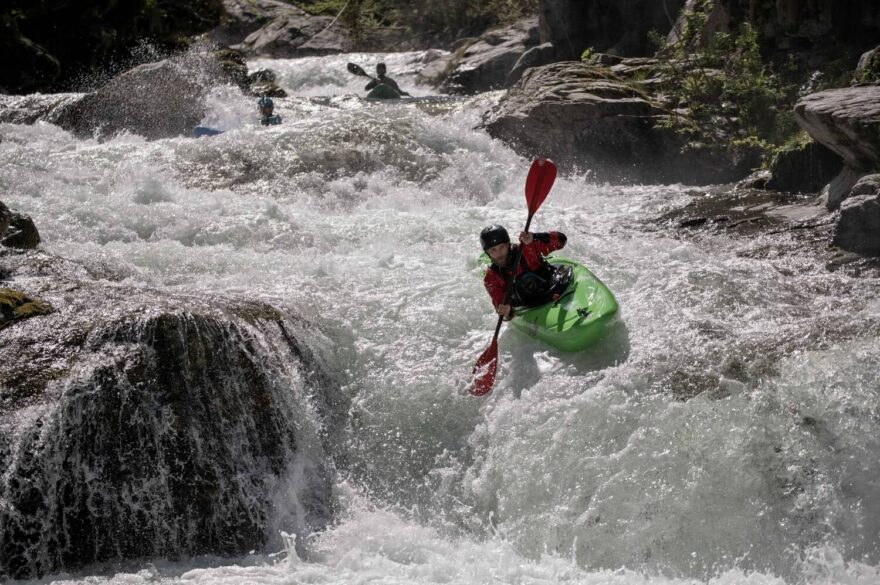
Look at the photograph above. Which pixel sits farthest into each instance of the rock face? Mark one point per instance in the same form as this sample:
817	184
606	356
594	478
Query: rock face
804	169
290	32
858	228
585	117
486	63
847	121
138	424
608	26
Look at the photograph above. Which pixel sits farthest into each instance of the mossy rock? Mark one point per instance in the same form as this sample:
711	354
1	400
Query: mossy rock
15	305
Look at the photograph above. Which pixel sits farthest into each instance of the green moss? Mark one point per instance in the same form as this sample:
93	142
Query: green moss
15	305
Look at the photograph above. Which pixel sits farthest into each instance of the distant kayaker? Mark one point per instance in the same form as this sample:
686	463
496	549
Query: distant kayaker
390	89
536	281
267	107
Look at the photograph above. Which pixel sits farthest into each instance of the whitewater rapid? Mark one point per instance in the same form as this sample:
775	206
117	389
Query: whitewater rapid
725	433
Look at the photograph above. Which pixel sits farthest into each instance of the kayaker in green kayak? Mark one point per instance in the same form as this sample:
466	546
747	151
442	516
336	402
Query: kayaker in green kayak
267	107
535	281
383	86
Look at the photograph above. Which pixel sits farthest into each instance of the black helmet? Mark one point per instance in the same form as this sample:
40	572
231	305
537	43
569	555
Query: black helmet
493	235
265	102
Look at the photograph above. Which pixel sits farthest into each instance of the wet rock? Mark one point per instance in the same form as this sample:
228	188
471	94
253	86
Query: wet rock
757	180
486	63
839	188
858	229
27	109
805	168
295	33
20	232
155	100
146	424
264	82
5	218
583	116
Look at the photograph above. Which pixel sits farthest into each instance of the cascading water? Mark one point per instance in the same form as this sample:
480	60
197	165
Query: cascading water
725	434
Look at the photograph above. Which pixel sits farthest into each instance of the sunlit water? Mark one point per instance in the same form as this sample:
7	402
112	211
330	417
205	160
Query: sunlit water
588	468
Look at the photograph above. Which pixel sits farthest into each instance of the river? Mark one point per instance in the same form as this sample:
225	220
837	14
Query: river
724	433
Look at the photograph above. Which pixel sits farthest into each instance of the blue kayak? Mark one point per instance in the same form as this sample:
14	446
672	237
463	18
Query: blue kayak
200	131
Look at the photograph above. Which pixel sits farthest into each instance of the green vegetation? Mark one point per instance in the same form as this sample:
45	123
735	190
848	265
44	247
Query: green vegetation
433	22
721	89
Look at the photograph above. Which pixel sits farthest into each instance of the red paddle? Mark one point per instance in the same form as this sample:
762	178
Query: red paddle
538	185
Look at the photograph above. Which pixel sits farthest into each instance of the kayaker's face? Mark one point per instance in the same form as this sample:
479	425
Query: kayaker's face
499	253
267	110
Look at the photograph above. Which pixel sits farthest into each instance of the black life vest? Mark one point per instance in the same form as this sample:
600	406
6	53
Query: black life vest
534	287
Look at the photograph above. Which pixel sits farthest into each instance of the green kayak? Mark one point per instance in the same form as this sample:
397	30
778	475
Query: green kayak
383	92
583	313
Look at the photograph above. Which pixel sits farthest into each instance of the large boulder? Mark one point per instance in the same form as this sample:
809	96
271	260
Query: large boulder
295	33
155	100
858	228
847	121
585	117
137	423
486	63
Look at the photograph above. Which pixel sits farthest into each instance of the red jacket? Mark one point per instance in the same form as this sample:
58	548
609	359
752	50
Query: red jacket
532	259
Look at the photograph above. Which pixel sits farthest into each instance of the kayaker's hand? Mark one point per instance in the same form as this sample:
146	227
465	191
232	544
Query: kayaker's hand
505	311
526	238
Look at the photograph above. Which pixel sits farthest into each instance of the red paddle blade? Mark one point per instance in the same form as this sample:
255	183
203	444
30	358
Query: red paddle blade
539	182
484	371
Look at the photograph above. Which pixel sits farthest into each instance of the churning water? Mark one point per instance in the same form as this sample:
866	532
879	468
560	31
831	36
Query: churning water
726	432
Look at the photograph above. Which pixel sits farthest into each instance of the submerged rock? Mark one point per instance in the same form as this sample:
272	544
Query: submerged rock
138	424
